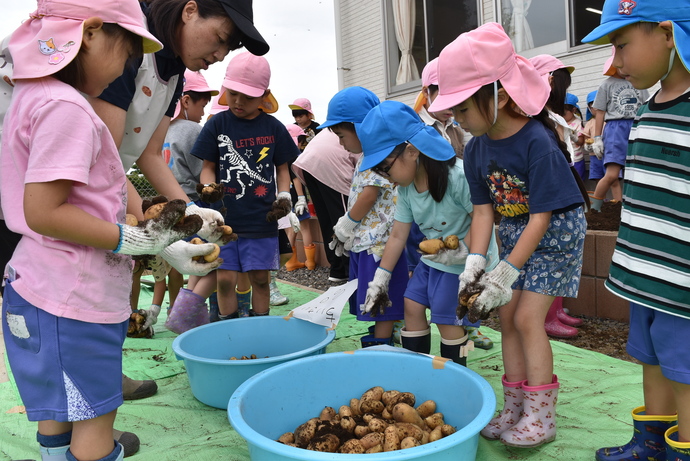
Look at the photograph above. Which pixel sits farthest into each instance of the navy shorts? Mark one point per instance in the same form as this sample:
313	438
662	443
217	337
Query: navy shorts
615	137
555	266
655	337
437	290
65	370
244	255
362	267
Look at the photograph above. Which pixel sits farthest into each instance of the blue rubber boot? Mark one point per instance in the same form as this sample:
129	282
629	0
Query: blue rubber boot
212	307
675	450
647	442
244	301
370	340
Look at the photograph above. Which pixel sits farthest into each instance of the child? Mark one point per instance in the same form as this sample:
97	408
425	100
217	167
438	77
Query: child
242	148
433	192
304	118
65	191
617	102
365	227
649	265
517	164
595	167
574	118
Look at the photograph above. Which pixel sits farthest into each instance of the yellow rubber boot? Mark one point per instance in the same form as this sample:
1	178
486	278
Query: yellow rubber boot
293	263
310	252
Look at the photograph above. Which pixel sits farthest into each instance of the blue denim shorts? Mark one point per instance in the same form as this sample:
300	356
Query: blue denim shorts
555	266
65	369
244	255
363	267
615	137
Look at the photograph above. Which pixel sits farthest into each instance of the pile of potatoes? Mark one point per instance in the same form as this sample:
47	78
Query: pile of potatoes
379	421
244	357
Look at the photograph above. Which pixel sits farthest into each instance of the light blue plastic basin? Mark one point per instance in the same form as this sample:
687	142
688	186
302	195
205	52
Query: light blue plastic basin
206	351
278	400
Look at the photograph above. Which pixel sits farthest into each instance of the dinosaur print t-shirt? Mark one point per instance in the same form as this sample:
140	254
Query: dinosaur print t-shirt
245	153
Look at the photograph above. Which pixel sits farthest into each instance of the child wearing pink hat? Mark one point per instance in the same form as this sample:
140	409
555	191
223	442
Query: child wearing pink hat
64	191
517	165
304	118
247	152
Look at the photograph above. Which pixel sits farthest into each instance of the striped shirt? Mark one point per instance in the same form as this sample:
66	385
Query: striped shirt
651	262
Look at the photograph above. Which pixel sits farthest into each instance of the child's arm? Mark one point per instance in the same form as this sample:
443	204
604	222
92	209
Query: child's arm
598	146
345	227
208	172
282	178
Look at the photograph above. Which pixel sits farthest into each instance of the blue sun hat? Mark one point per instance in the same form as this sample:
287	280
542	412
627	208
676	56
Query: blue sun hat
572	100
621	13
350	105
591	96
392	123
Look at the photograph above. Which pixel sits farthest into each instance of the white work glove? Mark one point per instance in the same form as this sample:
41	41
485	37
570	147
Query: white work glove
377	299
449	257
294	222
211	231
152	235
301	205
598	147
338	247
151	315
179	255
345	230
474	268
588	147
495	290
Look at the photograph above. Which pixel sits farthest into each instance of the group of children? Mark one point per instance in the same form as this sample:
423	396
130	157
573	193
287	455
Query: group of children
66	194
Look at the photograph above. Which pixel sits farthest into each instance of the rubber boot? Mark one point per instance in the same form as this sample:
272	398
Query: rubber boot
563	317
370	340
675	450
416	341
481	341
595	203
244	300
293	263
213	311
647	442
555	327
189	312
511	413
54	447
538	423
276	297
310	252
457	349
253	313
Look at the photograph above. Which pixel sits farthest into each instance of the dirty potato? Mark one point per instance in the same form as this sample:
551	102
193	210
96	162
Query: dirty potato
431	247
328	443
452	242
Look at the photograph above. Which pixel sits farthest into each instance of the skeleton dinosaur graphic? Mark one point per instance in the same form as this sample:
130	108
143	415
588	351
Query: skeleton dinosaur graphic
235	163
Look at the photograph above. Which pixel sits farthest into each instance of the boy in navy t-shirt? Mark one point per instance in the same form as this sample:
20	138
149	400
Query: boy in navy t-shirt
247	151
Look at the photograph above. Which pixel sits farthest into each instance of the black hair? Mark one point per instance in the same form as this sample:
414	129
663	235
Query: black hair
482	98
74	73
349	126
197	96
298	112
560	82
166	17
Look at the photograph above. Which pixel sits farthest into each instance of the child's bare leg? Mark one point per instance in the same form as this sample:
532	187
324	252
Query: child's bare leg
451	332
136	285
512	353
243	282
227	300
260	290
306	233
610	178
383	328
206	285
93	438
658	391
175	282
617	190
529	317
159	289
682	398
415	316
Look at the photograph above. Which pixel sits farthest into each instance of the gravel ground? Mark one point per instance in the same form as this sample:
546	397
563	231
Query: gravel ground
601	335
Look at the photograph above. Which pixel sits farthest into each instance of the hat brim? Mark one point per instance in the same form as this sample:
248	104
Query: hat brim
599	36
450	100
252	41
420	101
268	105
242	88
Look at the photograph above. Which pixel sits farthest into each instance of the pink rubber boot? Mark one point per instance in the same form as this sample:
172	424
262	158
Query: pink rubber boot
555	327
563	317
512	410
538	425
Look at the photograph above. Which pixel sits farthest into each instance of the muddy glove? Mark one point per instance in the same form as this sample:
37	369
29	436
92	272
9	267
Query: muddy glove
212	230
152	235
598	147
449	257
301	205
345	230
280	208
151	315
588	147
495	291
294	222
377	299
179	255
474	268
209	193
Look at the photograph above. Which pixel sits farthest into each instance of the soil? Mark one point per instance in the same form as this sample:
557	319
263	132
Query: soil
600	335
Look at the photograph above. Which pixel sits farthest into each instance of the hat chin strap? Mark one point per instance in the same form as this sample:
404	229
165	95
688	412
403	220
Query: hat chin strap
670	63
496	103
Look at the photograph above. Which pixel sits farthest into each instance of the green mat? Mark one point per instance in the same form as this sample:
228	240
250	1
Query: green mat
596	396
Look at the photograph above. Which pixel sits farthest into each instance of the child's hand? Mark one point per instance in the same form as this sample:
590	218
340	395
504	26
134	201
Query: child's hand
377	299
598	147
495	291
345	230
151	315
281	207
209	193
212	229
449	257
338	247
179	255
474	268
301	205
294	222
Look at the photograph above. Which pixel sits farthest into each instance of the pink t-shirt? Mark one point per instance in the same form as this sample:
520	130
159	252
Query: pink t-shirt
52	133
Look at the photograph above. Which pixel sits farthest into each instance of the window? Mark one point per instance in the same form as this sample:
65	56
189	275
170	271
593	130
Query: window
417	31
548	26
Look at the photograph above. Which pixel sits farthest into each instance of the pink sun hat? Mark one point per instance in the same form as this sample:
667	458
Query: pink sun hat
249	74
295	131
194	81
545	64
51	38
429	77
483	56
609	70
301	104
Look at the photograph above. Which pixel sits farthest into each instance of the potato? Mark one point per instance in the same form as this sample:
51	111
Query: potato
288	437
367	417
431	247
377	425
434	420
131	220
372	439
328	443
436	434
348	423
452	242
427	408
447	430
391	441
212	256
375	449
389	397
409	442
409	430
344	410
154	210
361	431
327	414
371	406
375	393
404	413
353	447
305	432
386	414
354	407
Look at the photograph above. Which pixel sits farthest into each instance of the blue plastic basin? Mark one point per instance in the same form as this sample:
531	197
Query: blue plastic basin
278	400
206	351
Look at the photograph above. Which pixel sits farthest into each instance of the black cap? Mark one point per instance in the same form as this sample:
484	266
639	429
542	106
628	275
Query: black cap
240	11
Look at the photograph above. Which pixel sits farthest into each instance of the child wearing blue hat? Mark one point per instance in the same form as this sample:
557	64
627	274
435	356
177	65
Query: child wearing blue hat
650	265
433	192
573	116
